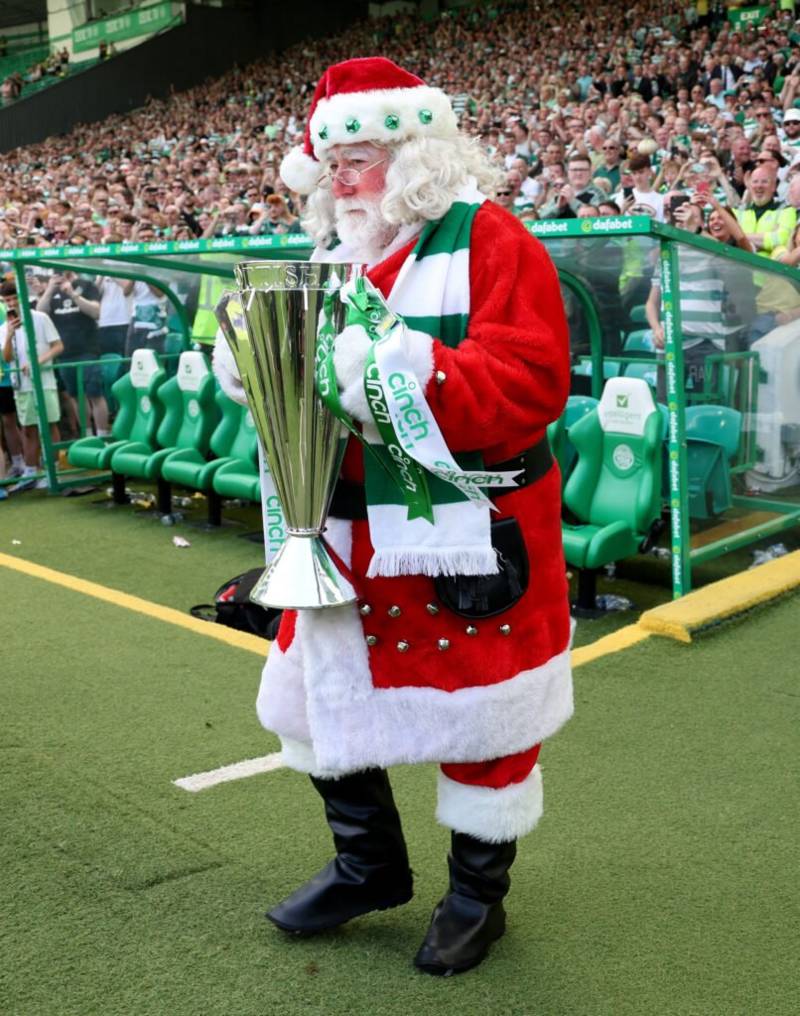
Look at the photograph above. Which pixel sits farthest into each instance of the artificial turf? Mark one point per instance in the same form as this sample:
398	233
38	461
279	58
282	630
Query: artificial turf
660	881
128	549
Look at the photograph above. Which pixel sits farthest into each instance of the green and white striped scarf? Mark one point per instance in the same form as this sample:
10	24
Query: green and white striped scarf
431	294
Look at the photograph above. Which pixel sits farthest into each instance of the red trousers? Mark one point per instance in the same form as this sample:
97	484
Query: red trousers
496	773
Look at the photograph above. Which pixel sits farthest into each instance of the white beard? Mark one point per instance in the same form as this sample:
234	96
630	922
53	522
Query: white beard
361	227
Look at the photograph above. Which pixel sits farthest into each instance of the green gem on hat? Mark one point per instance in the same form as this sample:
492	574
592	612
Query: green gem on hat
425	116
352	126
392	122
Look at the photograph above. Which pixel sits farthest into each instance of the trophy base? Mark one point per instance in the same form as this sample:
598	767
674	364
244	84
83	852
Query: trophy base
302	577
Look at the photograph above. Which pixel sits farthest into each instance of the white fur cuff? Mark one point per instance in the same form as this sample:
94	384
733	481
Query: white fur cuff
418	347
350	352
495	816
300	756
226	371
351	348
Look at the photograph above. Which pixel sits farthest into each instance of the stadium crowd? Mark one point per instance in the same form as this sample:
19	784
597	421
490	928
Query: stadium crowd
658	109
586	111
56	66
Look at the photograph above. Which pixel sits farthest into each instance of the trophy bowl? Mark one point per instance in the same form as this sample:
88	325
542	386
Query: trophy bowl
273	338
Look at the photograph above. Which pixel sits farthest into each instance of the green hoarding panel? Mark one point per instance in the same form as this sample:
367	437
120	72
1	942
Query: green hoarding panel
131	25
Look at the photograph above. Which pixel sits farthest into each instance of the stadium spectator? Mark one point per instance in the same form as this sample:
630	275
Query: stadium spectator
148	327
609	168
579	190
73	303
115	316
274	218
766	223
642	192
15	352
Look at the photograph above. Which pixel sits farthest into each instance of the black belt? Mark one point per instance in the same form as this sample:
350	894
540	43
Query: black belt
350	502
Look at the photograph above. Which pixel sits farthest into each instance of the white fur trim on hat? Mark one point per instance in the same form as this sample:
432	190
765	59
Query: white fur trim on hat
300	172
382	116
495	816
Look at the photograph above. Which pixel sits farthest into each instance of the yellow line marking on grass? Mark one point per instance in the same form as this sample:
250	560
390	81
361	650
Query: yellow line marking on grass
235	771
239	639
613	643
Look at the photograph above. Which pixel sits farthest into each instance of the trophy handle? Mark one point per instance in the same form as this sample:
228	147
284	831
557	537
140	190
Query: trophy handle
228	325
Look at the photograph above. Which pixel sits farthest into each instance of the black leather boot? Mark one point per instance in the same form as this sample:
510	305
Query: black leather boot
471	915
370	870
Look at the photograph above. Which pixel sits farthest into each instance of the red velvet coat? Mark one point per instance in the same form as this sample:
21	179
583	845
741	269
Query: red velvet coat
491	693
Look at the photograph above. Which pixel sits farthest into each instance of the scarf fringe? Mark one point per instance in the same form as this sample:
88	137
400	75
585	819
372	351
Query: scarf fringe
392	562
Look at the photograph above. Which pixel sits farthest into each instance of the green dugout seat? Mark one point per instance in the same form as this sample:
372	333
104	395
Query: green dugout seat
640	343
234	443
174	345
712	443
638	315
190	416
611	368
557	439
239	476
558	432
140	414
614	491
646	370
111	368
719	424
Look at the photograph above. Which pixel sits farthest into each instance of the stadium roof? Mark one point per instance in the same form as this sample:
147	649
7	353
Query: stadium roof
22	12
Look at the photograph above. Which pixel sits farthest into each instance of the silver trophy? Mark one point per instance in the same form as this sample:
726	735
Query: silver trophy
280	303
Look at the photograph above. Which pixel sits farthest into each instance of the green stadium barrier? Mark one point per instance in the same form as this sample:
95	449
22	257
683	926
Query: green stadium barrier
754	378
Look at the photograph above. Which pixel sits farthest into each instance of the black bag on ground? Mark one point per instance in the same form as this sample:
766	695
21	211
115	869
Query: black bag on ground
232	607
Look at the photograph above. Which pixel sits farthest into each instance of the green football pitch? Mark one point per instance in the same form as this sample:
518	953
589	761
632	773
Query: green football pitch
661	880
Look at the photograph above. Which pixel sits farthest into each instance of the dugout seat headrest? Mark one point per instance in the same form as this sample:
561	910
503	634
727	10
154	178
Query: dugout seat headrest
144	365
625	406
192	368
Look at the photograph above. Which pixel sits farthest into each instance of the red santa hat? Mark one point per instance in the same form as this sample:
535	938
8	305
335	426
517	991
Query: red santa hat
366	99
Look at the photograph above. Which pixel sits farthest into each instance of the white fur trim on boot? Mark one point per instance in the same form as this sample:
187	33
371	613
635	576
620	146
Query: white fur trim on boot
495	816
226	371
300	172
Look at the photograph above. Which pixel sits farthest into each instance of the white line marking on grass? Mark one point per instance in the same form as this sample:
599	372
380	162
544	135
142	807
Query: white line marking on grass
235	771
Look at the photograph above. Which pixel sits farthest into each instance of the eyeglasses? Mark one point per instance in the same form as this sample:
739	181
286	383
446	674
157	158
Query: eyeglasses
348	176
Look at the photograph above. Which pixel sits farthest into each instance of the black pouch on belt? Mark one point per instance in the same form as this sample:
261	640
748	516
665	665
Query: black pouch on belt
477	596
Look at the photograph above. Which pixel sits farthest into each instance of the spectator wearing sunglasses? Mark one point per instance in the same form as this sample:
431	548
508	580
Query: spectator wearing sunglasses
609	167
510	196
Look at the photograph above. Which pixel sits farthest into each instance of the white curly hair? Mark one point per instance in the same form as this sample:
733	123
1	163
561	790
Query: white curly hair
422	182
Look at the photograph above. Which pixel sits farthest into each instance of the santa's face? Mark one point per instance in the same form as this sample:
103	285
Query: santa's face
358	185
363	166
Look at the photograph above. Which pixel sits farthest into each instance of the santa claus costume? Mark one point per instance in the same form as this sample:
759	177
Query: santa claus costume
428	667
